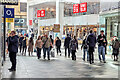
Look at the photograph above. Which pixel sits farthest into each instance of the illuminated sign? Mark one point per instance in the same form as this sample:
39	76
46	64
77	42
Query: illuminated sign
76	8
83	7
30	22
42	13
9	2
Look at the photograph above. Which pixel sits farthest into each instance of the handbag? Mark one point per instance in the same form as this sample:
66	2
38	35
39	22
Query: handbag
52	52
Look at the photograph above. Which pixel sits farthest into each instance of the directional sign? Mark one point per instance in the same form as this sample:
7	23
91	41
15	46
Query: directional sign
9	12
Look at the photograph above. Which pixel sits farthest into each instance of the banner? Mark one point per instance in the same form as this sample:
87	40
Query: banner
9	2
76	8
30	22
83	7
42	13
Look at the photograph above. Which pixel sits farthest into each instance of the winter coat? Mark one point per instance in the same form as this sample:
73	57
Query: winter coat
20	40
39	44
30	46
73	44
24	43
84	44
48	42
67	42
91	40
101	42
58	43
13	44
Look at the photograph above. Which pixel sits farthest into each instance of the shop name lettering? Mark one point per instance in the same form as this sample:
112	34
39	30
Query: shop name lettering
8	1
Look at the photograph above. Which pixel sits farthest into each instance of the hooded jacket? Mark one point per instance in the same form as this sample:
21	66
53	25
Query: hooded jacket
91	40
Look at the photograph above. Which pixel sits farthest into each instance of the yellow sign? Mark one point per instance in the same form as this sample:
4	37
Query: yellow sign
9	20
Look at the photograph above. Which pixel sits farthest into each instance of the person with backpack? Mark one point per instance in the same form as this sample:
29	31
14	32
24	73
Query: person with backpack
91	41
58	45
85	48
73	47
102	43
115	46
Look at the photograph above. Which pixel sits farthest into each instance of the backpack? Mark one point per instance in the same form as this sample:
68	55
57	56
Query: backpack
73	45
116	44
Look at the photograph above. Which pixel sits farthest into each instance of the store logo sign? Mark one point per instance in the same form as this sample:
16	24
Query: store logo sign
9	12
30	22
9	2
41	13
82	7
76	8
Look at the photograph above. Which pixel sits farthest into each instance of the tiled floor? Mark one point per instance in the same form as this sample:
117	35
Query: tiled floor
61	67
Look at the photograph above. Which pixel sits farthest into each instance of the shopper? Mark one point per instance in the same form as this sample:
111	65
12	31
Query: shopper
73	47
20	42
30	46
46	46
66	45
115	46
91	41
85	48
24	42
13	49
58	45
52	42
102	43
38	46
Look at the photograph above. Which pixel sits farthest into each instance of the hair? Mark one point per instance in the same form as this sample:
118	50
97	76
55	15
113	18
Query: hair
67	35
13	32
39	37
101	31
58	38
91	31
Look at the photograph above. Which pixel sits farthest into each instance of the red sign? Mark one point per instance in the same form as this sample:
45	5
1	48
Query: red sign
38	13
30	22
42	13
76	8
83	7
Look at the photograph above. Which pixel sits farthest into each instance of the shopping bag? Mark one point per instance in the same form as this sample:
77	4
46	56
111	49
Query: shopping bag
52	52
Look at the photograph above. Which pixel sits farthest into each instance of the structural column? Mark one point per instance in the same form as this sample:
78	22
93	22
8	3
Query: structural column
60	15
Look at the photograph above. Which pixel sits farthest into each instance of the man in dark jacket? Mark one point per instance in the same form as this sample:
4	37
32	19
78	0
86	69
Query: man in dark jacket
58	45
91	40
66	45
102	42
13	49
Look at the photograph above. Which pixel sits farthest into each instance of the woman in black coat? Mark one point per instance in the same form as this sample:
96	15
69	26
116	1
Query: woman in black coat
58	45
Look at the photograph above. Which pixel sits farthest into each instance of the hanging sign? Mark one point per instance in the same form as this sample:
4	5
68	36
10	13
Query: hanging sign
83	7
76	8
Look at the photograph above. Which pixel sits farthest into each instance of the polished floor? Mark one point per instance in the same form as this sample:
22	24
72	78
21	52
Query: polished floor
61	67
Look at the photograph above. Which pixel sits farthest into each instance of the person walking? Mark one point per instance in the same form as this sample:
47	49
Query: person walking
58	45
13	49
115	46
102	43
66	45
20	42
24	42
73	47
91	41
85	48
30	46
38	46
52	42
46	46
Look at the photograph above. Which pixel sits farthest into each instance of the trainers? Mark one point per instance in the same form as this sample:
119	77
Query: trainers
104	61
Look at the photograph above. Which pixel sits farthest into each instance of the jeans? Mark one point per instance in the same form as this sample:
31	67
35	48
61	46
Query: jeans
24	50
38	52
91	55
58	49
85	51
101	51
12	56
48	53
68	51
73	55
